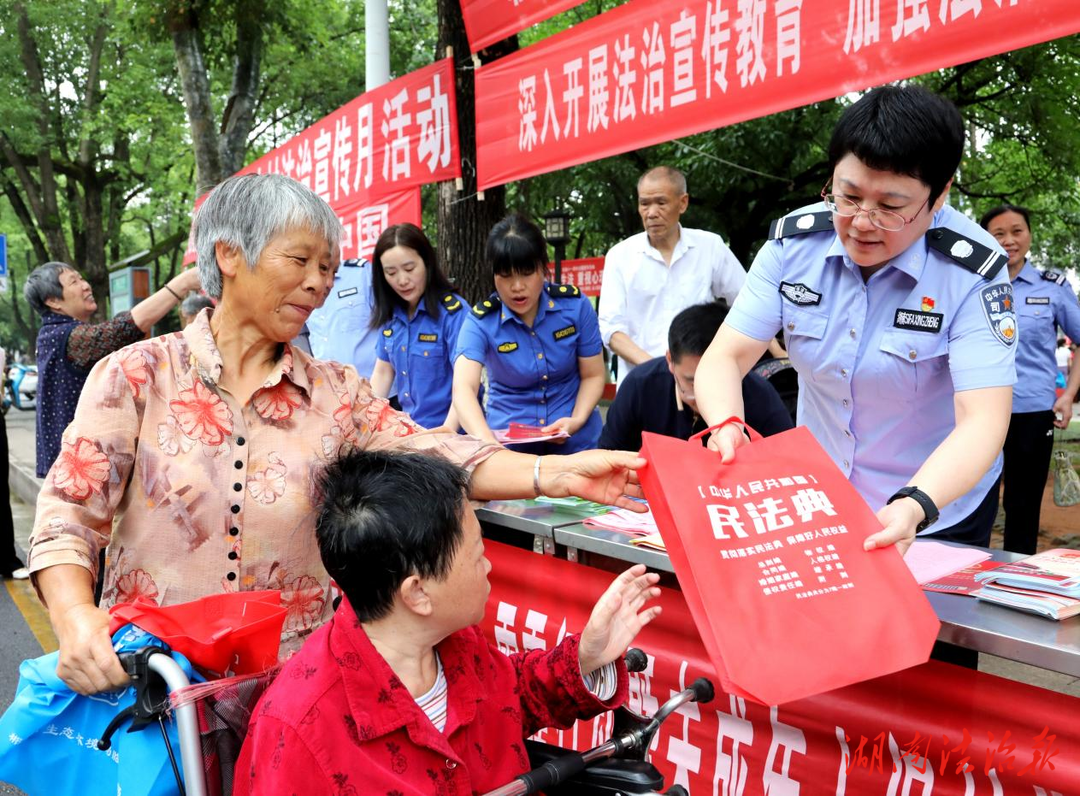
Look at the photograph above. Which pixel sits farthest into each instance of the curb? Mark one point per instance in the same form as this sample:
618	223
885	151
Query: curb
24	484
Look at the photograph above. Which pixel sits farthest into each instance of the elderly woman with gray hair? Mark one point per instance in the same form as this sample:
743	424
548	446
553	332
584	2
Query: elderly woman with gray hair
202	444
68	345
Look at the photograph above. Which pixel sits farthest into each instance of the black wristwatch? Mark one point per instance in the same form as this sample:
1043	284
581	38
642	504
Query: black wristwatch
923	499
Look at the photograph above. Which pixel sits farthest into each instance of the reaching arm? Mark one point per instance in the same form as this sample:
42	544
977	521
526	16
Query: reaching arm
591	370
465	403
382	378
718	385
955	466
152	309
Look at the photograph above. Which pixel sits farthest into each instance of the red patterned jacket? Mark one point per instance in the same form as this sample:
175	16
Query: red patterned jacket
338	721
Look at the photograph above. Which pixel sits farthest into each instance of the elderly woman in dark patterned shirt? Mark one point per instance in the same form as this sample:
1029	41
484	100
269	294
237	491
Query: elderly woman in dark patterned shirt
191	455
68	345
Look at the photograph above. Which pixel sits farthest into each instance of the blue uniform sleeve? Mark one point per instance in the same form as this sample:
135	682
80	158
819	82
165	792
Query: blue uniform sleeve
757	311
471	341
978	356
381	352
1067	311
589	343
452	323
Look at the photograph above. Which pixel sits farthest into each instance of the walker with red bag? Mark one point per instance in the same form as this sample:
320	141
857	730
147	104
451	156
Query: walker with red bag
769	554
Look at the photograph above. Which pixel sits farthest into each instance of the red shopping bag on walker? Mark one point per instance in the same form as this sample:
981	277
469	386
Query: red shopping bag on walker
769	555
239	632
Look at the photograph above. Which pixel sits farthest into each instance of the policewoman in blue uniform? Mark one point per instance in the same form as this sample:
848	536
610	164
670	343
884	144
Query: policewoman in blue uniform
540	343
898	316
1044	301
419	316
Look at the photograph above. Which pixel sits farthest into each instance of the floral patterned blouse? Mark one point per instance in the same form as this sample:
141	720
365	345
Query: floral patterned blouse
210	496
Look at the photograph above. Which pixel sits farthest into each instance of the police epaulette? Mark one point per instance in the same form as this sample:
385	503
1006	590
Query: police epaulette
451	303
800	224
482	308
1053	276
562	291
971	254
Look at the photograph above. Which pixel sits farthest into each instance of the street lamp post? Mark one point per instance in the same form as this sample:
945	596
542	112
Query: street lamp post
557	234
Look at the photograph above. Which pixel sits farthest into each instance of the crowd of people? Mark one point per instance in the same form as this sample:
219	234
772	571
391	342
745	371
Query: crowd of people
226	457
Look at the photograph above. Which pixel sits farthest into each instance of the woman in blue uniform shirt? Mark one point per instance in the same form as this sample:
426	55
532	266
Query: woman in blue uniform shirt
898	317
420	316
540	343
1044	301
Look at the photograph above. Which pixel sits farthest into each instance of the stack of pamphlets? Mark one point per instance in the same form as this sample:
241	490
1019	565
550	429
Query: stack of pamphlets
1047	583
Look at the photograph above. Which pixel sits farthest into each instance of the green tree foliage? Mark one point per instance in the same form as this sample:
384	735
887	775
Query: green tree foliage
89	138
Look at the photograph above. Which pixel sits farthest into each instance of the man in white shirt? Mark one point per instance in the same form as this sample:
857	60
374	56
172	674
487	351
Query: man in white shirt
651	277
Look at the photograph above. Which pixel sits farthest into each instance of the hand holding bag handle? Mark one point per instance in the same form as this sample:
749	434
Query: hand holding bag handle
754	436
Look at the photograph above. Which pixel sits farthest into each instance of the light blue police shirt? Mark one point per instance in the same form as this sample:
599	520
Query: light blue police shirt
421	352
340	329
1044	301
533	375
879	361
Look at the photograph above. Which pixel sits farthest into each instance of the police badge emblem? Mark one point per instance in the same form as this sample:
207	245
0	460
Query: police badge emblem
997	305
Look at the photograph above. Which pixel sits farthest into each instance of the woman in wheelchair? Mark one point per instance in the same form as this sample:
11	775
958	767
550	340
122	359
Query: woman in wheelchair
400	692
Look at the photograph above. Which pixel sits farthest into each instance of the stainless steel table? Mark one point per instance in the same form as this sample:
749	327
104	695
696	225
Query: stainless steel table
965	621
531	517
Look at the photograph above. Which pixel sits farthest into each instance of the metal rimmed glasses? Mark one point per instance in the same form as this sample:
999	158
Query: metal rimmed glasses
882	219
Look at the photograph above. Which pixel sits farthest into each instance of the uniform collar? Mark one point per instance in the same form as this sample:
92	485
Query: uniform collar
402	314
206	358
911	261
545	304
1028	273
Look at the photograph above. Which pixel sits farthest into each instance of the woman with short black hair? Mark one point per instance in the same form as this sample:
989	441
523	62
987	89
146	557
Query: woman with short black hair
541	345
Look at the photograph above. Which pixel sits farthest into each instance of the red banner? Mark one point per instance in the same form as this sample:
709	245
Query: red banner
368	158
400	135
364	220
934	729
649	72
489	21
586	274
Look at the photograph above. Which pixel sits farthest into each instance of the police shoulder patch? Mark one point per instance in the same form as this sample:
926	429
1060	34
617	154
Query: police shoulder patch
490	304
1053	276
997	306
971	254
451	303
562	291
800	224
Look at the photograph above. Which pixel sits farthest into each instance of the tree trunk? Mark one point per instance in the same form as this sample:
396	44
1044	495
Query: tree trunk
196	83
463	220
42	197
239	116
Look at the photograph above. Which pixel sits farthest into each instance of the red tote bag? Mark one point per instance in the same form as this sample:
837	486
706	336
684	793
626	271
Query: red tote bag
769	555
237	632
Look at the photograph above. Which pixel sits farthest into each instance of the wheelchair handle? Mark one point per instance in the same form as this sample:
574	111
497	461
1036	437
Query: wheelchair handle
143	666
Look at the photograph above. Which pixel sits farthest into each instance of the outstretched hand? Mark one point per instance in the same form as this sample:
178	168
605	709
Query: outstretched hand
900	519
601	476
618	617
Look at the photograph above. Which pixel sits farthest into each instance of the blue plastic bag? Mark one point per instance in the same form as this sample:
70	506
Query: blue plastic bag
48	736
